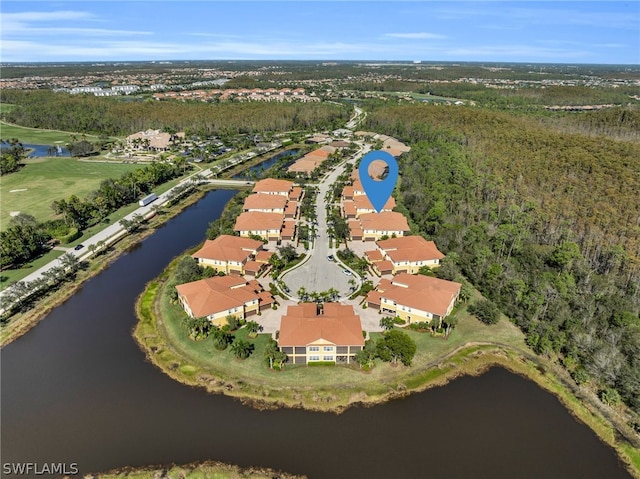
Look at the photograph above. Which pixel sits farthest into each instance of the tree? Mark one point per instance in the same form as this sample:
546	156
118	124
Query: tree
242	349
366	356
187	270
396	346
233	323
287	253
221	339
253	327
485	310
273	355
387	323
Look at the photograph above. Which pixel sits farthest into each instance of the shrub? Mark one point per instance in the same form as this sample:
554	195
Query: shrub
485	310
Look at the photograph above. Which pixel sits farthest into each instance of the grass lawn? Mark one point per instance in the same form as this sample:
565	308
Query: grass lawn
36	136
47	179
201	362
12	275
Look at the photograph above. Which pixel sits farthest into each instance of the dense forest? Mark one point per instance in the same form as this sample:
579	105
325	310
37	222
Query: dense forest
119	117
545	223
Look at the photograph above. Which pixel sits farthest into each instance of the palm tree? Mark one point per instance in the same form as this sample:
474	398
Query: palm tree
253	327
242	349
302	293
333	293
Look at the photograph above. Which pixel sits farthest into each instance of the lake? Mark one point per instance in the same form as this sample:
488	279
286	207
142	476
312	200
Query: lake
77	389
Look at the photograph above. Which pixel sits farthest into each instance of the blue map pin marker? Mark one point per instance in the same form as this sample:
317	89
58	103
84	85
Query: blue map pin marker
378	192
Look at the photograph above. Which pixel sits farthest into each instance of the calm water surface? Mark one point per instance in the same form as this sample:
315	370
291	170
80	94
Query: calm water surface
77	389
261	167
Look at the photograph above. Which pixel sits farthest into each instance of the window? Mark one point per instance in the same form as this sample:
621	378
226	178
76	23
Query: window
314	358
327	358
314	349
327	348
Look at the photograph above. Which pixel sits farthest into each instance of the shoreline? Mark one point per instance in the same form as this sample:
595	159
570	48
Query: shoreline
205	469
21	323
469	359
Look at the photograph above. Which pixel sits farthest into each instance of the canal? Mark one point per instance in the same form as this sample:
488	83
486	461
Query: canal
77	389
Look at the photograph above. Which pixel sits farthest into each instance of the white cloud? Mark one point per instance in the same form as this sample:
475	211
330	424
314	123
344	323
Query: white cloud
416	35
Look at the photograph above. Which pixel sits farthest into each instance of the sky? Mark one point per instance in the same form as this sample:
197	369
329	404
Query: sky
493	31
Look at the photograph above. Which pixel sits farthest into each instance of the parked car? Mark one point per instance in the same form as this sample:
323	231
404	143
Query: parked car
330	257
347	272
79	247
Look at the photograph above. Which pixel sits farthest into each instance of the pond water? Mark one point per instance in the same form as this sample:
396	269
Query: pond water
77	389
37	151
263	165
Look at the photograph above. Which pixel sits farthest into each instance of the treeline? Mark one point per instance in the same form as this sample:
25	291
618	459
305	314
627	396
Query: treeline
116	117
26	239
545	224
12	153
527	96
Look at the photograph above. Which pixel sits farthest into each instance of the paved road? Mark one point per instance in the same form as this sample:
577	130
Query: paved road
318	273
111	233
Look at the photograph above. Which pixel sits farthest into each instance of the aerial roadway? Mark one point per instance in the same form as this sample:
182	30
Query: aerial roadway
319	273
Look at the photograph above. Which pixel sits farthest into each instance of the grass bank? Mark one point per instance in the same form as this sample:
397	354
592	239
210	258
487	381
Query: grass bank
472	349
204	470
22	322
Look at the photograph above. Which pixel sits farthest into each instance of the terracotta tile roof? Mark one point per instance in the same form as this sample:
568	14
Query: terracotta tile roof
289	227
261	201
384	266
355	230
253	267
357	188
304	165
258	221
395	144
338	325
374	255
421	292
349	208
354	174
228	248
265	298
395	152
347	192
264	256
319	153
362	203
339	144
217	294
291	208
272	185
384	221
410	248
295	193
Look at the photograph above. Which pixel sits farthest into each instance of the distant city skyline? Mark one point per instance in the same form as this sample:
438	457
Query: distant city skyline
494	31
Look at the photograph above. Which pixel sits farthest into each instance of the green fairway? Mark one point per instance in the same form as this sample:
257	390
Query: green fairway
37	136
33	188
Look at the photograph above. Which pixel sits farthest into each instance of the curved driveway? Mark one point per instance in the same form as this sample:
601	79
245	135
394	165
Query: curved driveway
318	273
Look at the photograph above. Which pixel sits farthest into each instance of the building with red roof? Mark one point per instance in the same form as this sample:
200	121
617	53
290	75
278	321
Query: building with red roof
313	333
228	254
406	254
221	296
414	298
